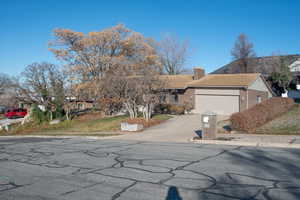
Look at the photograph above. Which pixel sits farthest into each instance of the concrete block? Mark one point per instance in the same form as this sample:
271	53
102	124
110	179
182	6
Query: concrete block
131	127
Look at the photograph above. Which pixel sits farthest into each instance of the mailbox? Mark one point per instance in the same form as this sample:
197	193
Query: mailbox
209	125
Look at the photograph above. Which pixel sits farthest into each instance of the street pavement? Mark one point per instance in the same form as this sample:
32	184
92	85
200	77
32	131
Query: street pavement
86	169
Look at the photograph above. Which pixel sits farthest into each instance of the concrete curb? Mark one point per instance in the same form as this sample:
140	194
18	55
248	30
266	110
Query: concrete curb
55	136
252	144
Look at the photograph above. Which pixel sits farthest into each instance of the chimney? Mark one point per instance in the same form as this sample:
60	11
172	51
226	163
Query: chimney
198	73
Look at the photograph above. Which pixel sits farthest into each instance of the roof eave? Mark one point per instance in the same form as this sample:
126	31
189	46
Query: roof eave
219	86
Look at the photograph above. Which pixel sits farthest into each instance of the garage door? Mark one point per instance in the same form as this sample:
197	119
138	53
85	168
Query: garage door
222	105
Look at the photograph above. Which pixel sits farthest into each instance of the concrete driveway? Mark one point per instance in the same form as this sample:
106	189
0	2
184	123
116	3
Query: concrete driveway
178	129
85	169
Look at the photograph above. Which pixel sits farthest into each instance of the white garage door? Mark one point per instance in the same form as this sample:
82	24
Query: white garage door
222	105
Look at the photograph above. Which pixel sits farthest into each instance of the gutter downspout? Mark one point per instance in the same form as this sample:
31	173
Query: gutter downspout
247	98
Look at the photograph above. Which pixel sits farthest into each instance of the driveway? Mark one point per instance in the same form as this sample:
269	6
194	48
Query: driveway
178	129
85	169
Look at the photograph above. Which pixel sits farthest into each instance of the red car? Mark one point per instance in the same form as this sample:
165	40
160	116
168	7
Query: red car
16	113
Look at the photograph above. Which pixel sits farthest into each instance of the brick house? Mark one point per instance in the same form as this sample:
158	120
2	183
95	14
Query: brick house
221	93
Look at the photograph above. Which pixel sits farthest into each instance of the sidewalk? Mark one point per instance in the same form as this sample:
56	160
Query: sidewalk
283	141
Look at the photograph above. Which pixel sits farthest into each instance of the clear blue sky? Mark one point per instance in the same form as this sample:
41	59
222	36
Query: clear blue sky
211	26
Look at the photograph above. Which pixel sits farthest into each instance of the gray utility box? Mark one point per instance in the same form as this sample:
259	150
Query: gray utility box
209	125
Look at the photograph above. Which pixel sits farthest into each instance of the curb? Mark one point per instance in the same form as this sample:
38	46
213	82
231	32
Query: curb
54	136
252	144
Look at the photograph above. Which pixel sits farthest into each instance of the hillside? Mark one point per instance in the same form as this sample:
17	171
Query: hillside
259	64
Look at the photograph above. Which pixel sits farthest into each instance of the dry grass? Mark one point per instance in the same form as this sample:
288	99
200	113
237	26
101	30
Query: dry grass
157	119
287	124
90	124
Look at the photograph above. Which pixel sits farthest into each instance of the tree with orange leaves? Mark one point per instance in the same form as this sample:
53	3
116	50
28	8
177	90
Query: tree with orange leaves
89	56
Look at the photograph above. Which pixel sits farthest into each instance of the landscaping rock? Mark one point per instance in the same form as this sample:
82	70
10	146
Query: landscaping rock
56	121
131	127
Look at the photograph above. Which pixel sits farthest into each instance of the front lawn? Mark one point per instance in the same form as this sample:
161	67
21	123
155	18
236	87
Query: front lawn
287	124
90	124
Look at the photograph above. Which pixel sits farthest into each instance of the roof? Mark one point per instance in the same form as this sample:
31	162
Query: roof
225	80
176	81
257	64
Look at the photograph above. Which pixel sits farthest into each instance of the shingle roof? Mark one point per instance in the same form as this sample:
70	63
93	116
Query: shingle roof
176	81
225	80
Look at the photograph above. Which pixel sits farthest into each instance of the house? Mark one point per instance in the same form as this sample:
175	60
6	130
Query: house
223	94
262	65
265	65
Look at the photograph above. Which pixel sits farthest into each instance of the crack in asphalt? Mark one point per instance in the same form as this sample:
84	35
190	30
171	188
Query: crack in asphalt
35	155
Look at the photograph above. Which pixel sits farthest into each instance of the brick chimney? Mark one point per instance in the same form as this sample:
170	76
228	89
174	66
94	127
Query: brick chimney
198	73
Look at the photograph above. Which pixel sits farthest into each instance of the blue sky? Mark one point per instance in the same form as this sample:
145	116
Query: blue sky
210	26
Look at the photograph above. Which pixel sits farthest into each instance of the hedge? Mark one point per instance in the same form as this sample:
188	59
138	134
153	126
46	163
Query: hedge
256	116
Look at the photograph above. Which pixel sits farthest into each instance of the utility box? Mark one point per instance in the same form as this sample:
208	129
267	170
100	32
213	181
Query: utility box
209	125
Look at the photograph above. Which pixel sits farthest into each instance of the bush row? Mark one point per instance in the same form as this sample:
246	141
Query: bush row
258	115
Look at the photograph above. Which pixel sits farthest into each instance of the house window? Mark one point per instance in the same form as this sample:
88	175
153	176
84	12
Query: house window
258	99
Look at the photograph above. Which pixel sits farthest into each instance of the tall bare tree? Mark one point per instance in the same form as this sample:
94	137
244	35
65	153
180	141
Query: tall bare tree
173	55
43	84
243	52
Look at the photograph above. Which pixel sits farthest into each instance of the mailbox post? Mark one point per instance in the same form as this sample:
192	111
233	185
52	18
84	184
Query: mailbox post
209	125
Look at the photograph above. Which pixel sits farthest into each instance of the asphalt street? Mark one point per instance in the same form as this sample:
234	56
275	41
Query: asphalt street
86	169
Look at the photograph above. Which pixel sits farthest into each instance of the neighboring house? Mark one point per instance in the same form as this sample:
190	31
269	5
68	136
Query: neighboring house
265	65
79	104
72	104
223	94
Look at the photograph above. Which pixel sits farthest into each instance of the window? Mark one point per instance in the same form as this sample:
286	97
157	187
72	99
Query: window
258	99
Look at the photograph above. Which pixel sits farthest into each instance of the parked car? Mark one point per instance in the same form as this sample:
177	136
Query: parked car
16	113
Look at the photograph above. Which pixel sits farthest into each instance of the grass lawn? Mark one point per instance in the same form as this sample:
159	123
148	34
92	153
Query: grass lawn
91	125
287	124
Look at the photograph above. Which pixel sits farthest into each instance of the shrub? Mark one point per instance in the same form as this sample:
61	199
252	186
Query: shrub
258	115
110	105
162	108
177	109
169	109
38	115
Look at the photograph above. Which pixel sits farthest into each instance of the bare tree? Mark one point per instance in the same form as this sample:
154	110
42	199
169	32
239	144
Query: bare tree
7	92
5	82
173	55
43	84
243	52
134	91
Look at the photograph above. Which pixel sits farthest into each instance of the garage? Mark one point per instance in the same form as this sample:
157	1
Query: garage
220	104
